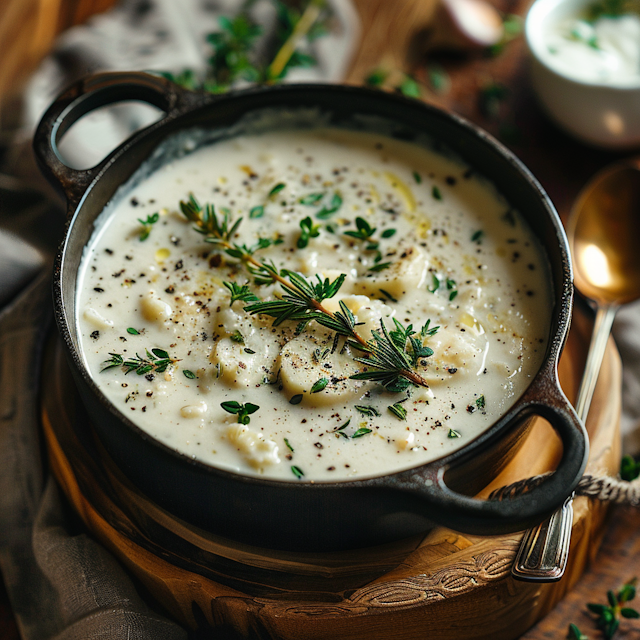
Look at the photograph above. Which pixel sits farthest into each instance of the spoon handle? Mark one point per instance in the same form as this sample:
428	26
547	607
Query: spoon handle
544	550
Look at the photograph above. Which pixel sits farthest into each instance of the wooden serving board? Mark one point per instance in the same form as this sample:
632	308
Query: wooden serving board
443	586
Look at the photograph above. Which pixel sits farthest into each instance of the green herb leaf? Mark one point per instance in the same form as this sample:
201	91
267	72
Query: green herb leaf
376	78
319	385
575	633
339	431
436	193
381	266
133	332
243	411
629	468
410	88
297	399
435	283
242	293
231	406
334	205
480	402
388	233
398	410
288	445
361	432
454	434
297	471
477	236
236	336
367	410
147	225
189	374
311	199
308	230
387	295
257	212
276	189
438	78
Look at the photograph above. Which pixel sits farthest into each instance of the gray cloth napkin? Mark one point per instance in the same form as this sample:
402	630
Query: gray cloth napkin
63	585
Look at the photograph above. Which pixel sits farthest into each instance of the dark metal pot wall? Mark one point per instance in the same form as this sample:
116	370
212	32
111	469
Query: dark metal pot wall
293	514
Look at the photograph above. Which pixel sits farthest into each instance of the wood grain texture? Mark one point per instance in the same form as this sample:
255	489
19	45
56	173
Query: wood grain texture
27	31
446	585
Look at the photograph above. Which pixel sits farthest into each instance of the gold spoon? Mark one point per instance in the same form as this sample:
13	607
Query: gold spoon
604	238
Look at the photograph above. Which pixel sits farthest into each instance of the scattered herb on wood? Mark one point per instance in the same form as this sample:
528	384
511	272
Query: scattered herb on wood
629	468
608	616
575	634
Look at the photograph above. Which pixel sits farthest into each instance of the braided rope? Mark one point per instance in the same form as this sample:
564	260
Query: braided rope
603	488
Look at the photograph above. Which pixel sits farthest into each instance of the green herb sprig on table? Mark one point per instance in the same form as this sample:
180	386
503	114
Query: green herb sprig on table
233	56
608	616
388	361
629	469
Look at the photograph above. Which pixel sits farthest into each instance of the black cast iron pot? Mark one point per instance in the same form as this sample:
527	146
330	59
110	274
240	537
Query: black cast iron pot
323	515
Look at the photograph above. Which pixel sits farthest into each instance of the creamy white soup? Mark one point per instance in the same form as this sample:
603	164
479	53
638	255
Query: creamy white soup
411	250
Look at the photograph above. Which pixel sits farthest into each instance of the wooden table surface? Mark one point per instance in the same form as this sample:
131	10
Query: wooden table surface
562	165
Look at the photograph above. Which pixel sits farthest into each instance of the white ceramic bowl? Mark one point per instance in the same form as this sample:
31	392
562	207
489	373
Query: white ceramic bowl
602	114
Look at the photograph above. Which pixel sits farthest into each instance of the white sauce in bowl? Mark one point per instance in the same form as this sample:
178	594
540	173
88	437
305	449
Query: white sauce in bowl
603	49
450	251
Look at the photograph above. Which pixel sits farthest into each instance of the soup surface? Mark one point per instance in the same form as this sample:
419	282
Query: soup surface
411	250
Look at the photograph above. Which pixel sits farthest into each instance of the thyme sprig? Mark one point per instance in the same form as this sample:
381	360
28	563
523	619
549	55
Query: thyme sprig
234	45
390	357
157	361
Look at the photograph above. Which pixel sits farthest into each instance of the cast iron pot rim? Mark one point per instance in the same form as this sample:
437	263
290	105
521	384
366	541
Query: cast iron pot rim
562	299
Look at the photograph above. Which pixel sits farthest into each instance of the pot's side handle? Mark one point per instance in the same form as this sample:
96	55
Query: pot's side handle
92	93
488	517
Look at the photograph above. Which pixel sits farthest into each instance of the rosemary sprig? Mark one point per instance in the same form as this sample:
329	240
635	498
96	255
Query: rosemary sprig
391	357
157	361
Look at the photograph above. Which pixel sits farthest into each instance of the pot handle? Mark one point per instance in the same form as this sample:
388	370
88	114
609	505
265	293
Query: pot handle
489	517
94	92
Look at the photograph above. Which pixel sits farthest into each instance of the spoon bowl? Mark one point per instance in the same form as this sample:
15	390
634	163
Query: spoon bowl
604	236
